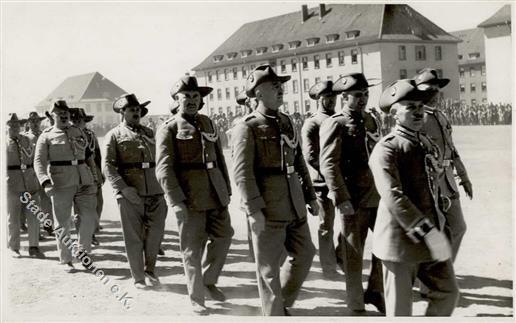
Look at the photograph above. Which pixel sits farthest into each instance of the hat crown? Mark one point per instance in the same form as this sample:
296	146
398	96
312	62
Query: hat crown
34	115
426	76
351	82
323	87
261	74
60	104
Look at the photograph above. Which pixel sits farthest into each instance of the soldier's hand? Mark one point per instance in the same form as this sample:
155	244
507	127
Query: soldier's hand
438	244
346	208
257	222
180	208
131	194
313	208
468	188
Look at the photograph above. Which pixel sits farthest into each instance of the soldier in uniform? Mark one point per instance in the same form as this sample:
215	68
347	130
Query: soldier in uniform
129	165
65	169
275	186
33	133
439	129
408	235
346	141
20	180
193	173
323	93
79	118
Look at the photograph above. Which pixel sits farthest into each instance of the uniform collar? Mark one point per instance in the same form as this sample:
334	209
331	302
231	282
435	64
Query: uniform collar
268	113
191	119
407	133
352	113
134	128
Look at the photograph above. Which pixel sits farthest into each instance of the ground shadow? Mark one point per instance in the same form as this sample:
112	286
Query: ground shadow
237	310
475	282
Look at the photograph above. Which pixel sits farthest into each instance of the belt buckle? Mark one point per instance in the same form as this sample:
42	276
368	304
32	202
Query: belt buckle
145	165
23	167
446	163
210	165
75	162
290	169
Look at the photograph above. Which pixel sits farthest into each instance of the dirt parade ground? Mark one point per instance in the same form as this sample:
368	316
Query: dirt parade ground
40	290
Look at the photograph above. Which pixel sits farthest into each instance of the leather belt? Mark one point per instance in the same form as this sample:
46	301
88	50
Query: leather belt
276	170
67	162
19	167
137	165
207	165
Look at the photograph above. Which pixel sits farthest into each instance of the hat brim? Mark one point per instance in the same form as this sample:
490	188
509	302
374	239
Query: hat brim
88	118
20	121
204	90
282	79
36	118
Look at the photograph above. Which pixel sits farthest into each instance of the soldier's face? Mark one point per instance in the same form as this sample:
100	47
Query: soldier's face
328	102
433	89
61	117
79	123
189	102
132	115
271	94
34	124
356	100
13	129
409	114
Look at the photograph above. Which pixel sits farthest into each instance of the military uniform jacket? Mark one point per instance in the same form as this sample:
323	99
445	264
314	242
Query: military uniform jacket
191	166
20	154
399	168
129	160
311	148
93	145
63	145
346	141
269	168
439	129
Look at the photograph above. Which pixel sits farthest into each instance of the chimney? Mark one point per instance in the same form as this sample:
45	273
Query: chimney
304	13
322	10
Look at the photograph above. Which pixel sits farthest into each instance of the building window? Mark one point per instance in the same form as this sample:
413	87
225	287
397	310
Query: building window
483	70
231	55
316	62
235	73
285	88
484	86
462	88
211	96
209	77
228	93
438	53
341	58
471	71
473	56
354	56
460	56
244	72
108	106
304	62
283	66
226	76
276	48
328	59
217	75
403	74
420	53
235	90
294	65
294	44
473	101
402	53
87	107
461	72
294	86
472	87
285	106
331	38
296	106
317	80
307	105
246	52
439	73
312	41
219	94
261	50
484	100
306	85
252	67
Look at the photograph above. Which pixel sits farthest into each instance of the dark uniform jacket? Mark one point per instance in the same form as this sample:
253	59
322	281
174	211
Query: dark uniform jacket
439	129
20	169
311	147
129	160
191	166
346	141
64	146
269	168
407	197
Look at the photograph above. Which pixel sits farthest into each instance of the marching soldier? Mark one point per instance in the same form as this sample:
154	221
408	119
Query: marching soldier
33	133
323	93
129	165
79	118
408	235
193	173
346	141
64	167
439	129
20	180
271	174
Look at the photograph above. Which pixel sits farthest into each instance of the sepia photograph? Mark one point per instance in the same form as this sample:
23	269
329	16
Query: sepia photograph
234	160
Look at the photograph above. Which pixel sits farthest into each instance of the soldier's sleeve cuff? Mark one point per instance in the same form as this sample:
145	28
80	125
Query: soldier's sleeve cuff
118	183
418	232
310	195
254	205
339	195
44	179
176	195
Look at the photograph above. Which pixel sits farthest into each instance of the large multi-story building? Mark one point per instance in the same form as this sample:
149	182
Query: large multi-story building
91	91
499	56
385	42
472	66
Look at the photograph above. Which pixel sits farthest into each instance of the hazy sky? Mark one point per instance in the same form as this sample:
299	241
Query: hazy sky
143	47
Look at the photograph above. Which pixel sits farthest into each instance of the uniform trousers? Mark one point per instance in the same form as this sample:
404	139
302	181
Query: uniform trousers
439	277
279	285
143	226
45	204
328	254
455	226
82	197
204	239
100	205
15	208
354	230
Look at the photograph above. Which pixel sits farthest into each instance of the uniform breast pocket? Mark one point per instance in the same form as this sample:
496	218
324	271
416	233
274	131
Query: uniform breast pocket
189	148
128	148
267	142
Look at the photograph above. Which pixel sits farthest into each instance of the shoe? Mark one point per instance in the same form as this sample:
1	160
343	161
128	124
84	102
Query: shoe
36	253
49	231
376	299
94	241
161	252
358	313
331	274
140	285
69	268
199	309
215	293
151	279
15	253
23	227
286	312
82	259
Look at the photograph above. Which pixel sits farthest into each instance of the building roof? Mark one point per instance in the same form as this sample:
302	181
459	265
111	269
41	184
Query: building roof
372	22
501	17
84	87
472	43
